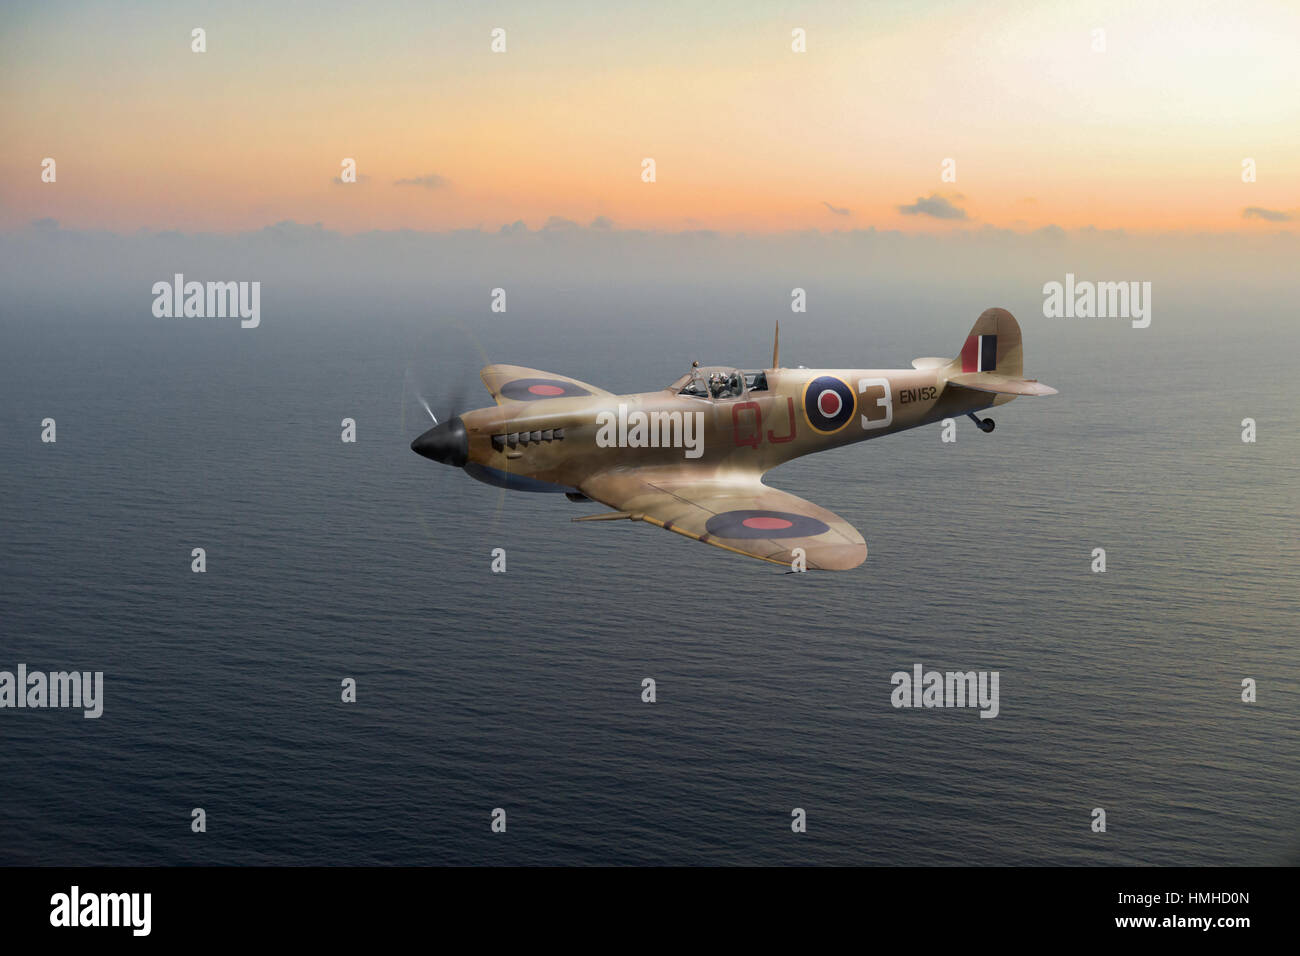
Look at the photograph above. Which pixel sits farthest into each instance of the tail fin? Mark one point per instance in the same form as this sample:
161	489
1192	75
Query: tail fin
993	360
993	345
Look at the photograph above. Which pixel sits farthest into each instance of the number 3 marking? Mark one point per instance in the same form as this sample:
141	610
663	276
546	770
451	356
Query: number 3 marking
886	402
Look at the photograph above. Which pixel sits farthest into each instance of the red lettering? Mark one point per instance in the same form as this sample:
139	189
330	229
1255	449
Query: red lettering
771	436
750	440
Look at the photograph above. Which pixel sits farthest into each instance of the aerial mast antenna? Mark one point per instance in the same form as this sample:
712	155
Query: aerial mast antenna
776	346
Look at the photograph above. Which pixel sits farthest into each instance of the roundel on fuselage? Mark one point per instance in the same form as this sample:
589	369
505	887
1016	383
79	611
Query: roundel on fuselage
828	404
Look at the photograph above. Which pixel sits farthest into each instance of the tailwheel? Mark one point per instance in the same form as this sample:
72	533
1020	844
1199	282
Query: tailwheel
985	424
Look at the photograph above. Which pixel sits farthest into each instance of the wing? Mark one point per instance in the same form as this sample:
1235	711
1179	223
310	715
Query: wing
739	513
514	383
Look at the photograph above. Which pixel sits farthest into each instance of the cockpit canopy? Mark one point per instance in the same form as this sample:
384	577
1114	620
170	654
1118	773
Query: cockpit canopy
720	382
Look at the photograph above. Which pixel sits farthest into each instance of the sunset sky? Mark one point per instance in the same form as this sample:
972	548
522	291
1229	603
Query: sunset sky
747	135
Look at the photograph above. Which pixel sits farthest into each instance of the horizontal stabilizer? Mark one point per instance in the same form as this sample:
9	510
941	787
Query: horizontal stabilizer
1000	384
930	362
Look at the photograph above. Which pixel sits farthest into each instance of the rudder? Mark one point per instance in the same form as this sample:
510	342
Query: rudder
993	345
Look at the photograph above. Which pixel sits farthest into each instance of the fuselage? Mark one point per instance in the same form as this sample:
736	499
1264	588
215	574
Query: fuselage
553	444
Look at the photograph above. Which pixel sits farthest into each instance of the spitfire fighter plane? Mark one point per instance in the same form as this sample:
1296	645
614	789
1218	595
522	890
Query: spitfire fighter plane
690	458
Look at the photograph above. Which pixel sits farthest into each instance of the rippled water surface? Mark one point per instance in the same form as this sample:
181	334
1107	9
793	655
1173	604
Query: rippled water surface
1118	690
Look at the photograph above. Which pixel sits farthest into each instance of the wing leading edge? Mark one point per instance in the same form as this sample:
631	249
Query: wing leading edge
737	513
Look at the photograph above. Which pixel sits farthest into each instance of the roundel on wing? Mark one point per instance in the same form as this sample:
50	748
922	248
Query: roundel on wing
828	404
536	389
764	524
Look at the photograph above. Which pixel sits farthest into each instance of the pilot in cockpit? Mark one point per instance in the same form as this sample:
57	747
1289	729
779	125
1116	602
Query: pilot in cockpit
725	386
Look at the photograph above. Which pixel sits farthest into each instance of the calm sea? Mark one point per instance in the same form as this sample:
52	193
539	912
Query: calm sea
523	690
